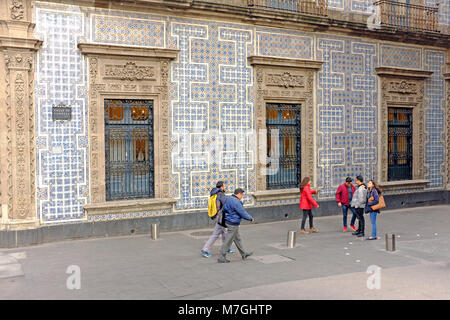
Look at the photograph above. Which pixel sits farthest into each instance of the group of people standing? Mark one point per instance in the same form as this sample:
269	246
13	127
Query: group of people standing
359	200
229	211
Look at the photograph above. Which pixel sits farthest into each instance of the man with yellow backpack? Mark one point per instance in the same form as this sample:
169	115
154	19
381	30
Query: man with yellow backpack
216	202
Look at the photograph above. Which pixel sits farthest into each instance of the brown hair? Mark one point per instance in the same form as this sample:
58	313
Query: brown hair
376	186
304	182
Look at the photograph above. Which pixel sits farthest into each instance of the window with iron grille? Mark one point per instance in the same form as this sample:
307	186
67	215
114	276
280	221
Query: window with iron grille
129	149
400	144
284	150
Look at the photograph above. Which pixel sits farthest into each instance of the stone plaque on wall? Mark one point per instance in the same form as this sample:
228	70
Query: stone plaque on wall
61	112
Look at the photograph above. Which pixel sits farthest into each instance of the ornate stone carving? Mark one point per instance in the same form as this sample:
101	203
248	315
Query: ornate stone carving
130	71
17	10
403	87
20	150
285	79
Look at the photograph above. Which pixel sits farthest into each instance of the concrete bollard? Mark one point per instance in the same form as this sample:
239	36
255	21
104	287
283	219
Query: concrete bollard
155	231
291	239
390	242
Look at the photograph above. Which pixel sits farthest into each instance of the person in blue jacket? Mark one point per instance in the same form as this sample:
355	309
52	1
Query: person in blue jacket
234	212
372	199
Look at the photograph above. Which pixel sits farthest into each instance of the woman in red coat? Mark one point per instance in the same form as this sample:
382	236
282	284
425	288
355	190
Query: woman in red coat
306	203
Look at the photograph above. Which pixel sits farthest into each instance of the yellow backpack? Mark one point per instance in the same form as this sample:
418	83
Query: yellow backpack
212	206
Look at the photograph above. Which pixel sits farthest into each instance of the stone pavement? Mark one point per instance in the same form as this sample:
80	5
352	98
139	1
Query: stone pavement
326	265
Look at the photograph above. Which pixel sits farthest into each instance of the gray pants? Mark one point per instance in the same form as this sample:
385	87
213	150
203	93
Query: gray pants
218	231
231	236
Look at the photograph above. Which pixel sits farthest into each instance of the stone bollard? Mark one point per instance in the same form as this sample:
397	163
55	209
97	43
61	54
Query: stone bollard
155	231
390	242
291	239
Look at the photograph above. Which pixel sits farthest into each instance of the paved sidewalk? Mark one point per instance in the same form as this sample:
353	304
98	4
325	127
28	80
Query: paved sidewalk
326	265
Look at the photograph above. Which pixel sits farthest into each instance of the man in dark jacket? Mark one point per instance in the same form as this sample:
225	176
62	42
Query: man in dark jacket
234	212
344	196
219	228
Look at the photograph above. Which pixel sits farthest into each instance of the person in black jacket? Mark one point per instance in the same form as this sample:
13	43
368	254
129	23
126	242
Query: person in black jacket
219	228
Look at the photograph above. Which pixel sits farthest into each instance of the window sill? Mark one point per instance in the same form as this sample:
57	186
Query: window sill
128	206
277	194
403	185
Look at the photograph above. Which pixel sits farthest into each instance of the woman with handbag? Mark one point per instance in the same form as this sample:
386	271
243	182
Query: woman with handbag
373	206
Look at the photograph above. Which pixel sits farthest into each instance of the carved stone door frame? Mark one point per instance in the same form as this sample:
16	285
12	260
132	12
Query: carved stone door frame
128	73
282	80
403	88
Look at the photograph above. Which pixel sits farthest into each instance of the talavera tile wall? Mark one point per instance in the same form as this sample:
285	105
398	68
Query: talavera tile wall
212	98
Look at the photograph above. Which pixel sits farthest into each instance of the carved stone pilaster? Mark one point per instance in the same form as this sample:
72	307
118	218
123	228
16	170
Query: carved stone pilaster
288	81
403	88
20	136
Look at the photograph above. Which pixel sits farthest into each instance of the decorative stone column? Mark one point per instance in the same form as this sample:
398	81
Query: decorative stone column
17	130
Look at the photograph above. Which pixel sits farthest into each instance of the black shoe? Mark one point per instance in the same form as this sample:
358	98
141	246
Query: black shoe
360	235
356	233
223	261
245	256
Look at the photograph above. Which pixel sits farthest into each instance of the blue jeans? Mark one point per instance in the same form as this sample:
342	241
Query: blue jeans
344	211
373	220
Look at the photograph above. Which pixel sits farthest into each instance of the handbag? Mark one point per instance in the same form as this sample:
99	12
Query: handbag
380	205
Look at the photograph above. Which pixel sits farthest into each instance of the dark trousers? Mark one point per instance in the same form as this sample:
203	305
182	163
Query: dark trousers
362	223
344	212
307	213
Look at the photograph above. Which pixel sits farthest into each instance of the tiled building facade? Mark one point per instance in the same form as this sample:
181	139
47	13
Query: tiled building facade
208	95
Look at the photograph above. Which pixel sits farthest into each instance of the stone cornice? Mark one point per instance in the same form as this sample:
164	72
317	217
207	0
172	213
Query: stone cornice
20	43
284	62
128	206
403	73
403	185
275	195
113	50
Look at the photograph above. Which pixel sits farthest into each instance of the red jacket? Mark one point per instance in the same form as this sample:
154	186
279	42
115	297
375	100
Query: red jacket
342	194
306	199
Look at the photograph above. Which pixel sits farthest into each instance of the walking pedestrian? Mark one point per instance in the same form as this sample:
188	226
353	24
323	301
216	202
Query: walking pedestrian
373	197
344	194
219	228
306	203
234	212
359	203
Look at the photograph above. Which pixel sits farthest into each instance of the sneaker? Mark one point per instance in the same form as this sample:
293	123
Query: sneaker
205	254
344	229
223	261
304	231
245	256
311	230
353	227
231	251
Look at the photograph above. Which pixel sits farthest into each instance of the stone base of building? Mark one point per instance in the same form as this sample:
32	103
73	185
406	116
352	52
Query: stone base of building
193	220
